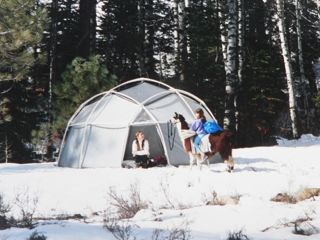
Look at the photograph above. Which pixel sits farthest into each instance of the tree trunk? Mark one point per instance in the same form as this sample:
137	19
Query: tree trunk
223	31
240	39
87	27
6	148
149	40
240	56
141	34
231	67
181	39
288	69
52	60
304	83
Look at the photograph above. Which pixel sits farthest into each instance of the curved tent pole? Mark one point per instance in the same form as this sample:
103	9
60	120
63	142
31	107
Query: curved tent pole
142	80
169	91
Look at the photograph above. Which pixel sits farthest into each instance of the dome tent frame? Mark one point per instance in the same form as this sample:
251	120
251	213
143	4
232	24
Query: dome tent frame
143	96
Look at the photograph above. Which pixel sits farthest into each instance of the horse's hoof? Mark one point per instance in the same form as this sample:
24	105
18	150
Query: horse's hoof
230	169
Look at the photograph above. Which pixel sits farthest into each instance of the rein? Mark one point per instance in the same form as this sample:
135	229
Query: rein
171	133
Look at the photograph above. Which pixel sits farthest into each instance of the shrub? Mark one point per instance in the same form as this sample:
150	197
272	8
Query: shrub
127	208
302	226
119	229
27	206
4	209
237	235
176	233
37	236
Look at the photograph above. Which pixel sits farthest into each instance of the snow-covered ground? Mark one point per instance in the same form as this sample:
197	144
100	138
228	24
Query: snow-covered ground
176	197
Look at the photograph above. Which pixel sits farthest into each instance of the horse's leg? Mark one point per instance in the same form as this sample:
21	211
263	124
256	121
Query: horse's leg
230	163
199	160
207	160
191	159
204	159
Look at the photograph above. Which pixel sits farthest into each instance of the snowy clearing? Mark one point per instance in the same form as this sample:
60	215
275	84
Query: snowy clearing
175	197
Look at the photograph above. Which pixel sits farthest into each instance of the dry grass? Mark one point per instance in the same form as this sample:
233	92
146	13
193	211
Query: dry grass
301	225
121	230
284	198
127	207
306	193
176	233
223	200
237	235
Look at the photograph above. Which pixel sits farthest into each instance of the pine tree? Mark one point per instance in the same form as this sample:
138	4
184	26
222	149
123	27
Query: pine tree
87	27
81	80
118	39
21	29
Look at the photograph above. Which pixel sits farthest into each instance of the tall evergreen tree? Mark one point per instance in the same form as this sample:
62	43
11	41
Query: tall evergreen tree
87	27
119	37
82	79
21	30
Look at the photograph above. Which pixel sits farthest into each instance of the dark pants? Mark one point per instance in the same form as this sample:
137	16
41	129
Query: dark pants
141	160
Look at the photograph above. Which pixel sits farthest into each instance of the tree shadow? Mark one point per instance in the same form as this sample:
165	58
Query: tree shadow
254	169
240	160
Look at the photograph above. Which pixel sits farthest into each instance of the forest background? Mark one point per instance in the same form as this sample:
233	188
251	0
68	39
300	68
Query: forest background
255	63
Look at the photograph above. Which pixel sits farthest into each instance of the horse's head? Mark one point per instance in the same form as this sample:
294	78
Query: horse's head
178	118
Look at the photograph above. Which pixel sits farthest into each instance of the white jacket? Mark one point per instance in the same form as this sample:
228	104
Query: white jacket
144	151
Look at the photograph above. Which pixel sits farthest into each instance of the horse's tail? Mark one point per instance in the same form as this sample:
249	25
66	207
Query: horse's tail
227	150
226	144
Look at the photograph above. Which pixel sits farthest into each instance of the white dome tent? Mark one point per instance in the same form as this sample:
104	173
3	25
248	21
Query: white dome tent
101	131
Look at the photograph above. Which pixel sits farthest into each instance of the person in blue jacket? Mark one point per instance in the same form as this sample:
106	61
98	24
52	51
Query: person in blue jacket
198	127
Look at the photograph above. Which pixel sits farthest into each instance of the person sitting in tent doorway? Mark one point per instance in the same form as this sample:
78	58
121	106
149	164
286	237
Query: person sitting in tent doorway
140	150
198	127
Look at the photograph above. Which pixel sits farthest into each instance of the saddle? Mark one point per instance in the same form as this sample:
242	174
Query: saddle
205	145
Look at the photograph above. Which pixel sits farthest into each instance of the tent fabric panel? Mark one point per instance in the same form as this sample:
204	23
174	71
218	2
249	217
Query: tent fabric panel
142	91
143	117
151	134
100	107
164	108
71	151
104	147
84	113
117	110
176	154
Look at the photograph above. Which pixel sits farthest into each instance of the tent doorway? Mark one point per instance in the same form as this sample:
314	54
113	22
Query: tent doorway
151	134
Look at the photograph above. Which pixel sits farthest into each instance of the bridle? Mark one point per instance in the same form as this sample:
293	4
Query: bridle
171	130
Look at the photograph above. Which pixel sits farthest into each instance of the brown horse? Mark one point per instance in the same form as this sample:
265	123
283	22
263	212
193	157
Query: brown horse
219	143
